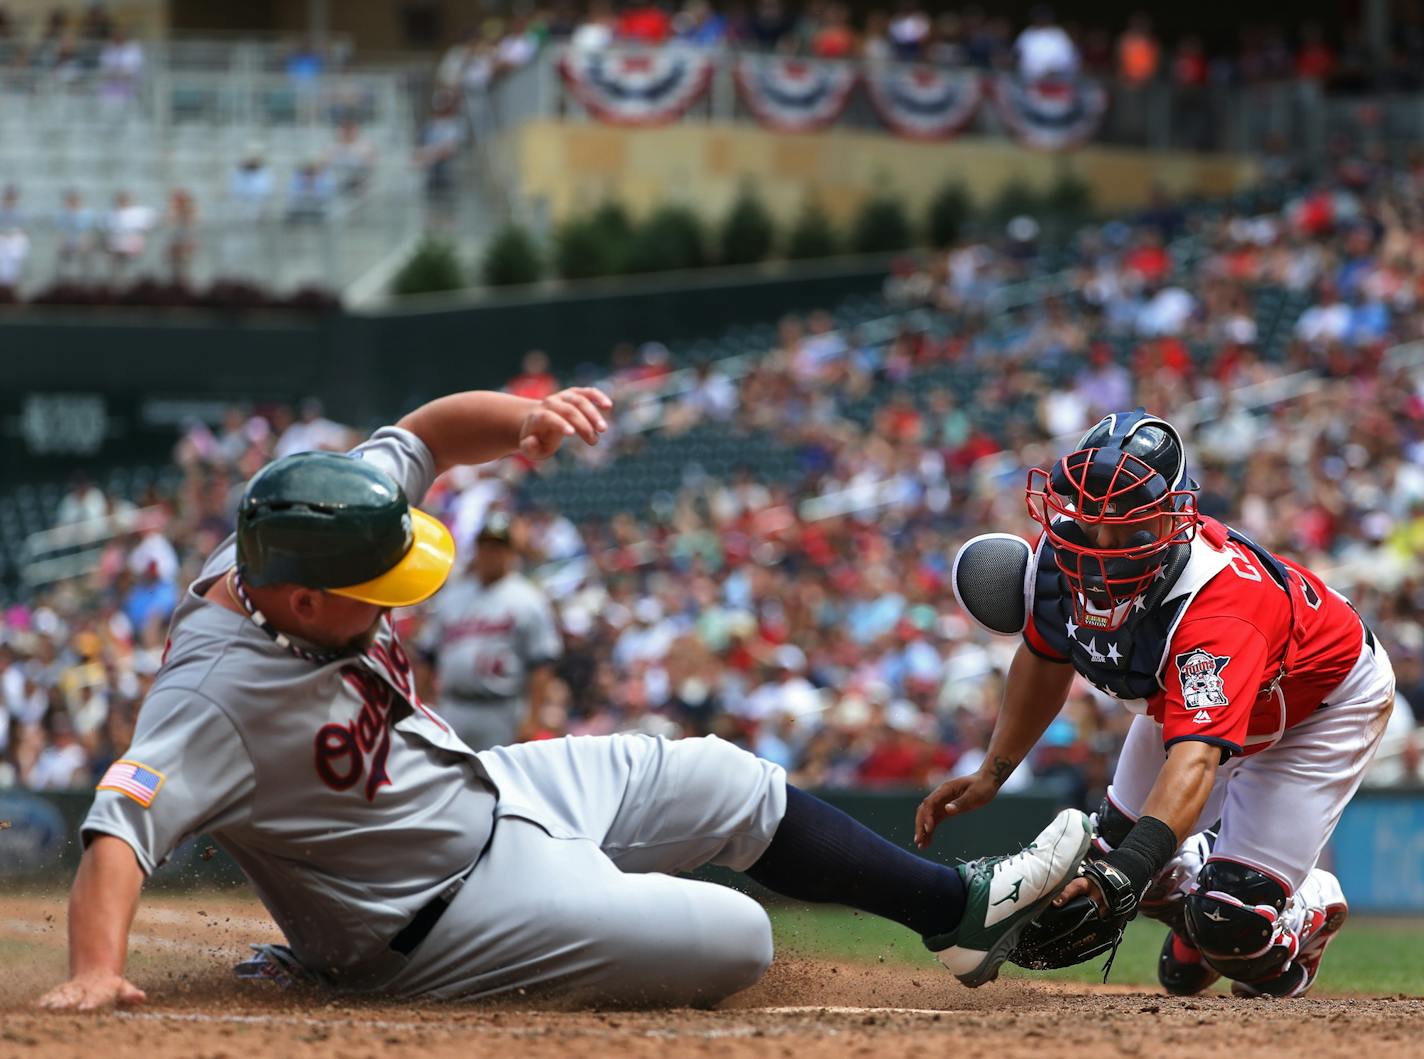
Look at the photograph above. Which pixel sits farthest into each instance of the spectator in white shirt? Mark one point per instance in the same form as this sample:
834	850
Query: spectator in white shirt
127	229
1045	50
312	432
1326	322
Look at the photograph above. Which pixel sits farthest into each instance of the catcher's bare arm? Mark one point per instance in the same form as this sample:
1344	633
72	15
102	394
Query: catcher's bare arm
1177	799
101	908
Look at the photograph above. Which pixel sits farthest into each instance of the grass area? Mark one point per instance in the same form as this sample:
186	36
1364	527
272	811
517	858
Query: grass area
1369	956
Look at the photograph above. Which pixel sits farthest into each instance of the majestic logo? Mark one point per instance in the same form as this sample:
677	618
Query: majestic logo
1202	686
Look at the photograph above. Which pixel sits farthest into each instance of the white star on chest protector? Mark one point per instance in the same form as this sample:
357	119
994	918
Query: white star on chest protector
1113	654
1072	629
1139	603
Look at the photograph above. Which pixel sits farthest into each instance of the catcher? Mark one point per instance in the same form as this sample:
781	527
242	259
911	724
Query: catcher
1260	696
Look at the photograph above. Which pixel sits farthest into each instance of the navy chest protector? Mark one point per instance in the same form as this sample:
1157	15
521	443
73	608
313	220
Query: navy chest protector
1124	663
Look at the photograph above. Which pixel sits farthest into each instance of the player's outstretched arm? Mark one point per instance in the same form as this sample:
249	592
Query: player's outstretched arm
101	909
481	425
1177	800
1033	694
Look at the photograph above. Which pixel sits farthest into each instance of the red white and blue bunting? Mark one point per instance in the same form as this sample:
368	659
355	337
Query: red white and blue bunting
637	86
1050	115
794	95
924	102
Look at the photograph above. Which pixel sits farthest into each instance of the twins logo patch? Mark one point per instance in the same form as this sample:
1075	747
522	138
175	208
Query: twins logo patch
1202	686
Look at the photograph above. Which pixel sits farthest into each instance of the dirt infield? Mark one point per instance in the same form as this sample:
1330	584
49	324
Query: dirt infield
184	947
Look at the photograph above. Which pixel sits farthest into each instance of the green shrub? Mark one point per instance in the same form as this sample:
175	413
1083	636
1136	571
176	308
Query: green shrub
612	220
1016	199
511	258
949	209
582	248
748	231
431	267
1069	200
881	226
668	238
813	235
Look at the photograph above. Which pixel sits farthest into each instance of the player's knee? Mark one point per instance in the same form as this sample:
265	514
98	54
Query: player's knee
1232	918
1113	825
699	951
733	949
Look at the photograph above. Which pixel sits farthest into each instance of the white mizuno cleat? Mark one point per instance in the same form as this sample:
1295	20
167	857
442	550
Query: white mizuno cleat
1005	894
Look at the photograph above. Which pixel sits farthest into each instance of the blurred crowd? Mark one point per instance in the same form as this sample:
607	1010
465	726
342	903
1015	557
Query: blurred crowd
1133	53
808	615
110	246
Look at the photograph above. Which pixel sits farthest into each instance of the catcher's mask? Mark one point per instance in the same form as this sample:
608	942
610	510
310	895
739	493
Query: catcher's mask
1127	476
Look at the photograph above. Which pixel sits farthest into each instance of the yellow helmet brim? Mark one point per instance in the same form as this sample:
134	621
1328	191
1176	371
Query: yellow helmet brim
418	575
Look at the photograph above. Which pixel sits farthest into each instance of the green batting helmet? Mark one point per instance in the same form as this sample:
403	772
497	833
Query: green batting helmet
340	524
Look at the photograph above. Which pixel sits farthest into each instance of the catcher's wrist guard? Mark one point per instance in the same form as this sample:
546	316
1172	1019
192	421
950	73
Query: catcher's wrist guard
1124	873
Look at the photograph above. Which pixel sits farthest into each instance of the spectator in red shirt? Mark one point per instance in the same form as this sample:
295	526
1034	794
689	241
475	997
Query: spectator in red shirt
644	24
835	39
1315	61
534	380
1148	258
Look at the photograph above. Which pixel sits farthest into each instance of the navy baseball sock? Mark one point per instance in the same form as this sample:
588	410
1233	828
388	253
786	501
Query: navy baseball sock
821	854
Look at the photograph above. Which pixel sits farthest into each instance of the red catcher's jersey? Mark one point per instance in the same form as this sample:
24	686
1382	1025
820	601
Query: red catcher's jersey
1223	657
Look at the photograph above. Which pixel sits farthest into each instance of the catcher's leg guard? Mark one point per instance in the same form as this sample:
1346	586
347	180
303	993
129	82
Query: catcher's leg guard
1235	918
1316	913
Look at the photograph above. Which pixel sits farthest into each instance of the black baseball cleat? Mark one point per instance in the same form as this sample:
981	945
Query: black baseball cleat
1181	968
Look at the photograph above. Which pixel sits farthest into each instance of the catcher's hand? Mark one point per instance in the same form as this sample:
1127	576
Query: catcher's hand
575	411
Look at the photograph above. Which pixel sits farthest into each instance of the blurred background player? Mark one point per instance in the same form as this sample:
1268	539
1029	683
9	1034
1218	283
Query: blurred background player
494	642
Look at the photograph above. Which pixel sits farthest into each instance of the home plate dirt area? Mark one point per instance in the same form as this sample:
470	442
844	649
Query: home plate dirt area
184	947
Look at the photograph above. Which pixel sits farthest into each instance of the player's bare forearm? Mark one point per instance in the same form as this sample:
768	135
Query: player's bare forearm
1183	786
1033	694
102	904
481	425
1177	800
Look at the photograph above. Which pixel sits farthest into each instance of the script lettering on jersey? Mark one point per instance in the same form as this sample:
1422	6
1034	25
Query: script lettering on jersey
346	752
480	627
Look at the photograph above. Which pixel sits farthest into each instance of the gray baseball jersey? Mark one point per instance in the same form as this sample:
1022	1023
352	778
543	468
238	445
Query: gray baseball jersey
346	801
488	637
351	806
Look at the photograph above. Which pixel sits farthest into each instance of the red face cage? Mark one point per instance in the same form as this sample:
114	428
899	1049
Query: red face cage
1095	488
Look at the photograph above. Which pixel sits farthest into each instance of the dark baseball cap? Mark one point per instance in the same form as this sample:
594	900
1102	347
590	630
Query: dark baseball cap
498	527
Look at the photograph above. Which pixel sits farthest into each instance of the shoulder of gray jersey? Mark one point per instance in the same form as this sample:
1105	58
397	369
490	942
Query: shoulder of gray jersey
403	456
993	578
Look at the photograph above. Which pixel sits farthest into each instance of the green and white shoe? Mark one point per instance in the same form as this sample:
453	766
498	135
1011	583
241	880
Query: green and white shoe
1006	894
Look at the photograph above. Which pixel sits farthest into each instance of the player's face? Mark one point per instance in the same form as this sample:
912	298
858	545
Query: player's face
344	623
1111	536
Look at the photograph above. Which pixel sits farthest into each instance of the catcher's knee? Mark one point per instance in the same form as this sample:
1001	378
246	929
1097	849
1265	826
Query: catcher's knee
1113	826
1232	918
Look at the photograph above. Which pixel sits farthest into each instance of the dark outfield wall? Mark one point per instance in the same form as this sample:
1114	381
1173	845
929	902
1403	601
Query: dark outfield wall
94	388
40	845
1377	851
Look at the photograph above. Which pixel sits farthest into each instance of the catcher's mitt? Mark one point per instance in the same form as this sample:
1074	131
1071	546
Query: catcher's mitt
1062	937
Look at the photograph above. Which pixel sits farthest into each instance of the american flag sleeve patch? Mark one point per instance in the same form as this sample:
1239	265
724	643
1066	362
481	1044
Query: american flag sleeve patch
139	782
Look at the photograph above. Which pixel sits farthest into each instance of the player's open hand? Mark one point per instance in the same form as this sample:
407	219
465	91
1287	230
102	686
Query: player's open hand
950	798
577	411
91	992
